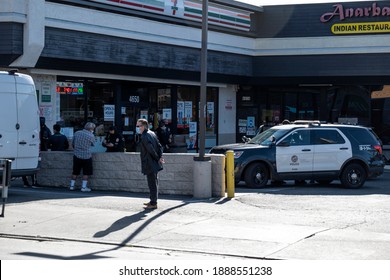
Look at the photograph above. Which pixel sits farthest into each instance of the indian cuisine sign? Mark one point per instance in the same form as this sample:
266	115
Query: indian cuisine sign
364	27
365	13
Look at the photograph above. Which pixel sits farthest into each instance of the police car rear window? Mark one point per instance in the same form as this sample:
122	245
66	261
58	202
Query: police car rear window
362	135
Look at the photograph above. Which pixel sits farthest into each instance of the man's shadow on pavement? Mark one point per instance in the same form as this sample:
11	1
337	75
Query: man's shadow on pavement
117	225
121	224
127	221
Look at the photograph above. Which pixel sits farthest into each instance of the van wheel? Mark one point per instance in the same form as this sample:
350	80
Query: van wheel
257	175
353	176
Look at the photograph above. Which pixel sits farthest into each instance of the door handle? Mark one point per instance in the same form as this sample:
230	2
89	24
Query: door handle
343	148
22	142
306	150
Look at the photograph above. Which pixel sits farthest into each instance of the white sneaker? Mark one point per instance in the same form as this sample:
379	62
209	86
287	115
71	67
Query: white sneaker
71	188
85	189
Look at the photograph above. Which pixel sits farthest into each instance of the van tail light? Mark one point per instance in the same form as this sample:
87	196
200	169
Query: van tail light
378	148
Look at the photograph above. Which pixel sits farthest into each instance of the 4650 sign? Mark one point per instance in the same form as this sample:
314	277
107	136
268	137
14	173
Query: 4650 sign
134	99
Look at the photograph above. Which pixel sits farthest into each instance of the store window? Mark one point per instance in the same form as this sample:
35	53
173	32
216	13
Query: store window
290	108
273	116
72	99
306	105
164	104
188	115
101	106
80	103
355	105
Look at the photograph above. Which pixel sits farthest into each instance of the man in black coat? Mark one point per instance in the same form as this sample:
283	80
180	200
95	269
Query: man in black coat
58	141
164	135
44	134
151	160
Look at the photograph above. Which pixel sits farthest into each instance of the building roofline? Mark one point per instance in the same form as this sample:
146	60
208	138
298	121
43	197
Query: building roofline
239	5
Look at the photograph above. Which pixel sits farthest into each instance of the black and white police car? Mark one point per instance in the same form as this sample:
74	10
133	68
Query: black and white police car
308	151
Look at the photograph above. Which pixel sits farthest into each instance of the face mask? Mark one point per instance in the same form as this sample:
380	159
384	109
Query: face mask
137	130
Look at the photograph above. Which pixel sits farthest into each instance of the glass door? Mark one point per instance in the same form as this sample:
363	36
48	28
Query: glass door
130	115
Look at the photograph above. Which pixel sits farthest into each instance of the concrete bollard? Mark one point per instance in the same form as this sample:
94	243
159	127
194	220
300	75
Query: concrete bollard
202	179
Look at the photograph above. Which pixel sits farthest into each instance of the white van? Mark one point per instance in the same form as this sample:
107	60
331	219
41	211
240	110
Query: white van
19	123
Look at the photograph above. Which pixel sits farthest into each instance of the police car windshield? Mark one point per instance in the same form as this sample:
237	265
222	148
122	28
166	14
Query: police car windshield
265	138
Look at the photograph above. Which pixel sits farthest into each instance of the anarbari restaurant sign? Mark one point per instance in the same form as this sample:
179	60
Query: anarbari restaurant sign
374	11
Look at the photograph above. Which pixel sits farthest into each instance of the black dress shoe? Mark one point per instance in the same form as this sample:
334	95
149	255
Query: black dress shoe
150	206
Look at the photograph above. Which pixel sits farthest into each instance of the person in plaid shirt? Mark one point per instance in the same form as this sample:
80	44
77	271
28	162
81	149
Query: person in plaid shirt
82	142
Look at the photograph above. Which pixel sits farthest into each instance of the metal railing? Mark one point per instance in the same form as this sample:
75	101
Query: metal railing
5	176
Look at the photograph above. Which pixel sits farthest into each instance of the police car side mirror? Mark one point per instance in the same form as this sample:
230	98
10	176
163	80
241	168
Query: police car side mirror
245	139
284	144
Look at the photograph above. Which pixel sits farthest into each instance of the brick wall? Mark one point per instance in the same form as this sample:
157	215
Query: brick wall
122	172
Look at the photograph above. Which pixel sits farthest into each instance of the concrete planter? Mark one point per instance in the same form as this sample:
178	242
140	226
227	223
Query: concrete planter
122	172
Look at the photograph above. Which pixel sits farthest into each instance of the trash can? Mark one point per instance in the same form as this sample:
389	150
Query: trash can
5	176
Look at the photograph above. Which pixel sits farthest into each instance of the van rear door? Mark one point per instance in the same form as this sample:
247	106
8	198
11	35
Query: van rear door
27	125
8	118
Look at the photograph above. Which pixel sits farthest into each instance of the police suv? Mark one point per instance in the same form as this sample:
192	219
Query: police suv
308	151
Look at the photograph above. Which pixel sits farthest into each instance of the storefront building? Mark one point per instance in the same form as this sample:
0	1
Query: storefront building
318	61
112	62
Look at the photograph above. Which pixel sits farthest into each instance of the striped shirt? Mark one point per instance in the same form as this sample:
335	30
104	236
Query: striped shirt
82	142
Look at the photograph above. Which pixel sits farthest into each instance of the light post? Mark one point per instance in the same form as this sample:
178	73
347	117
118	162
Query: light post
203	82
202	164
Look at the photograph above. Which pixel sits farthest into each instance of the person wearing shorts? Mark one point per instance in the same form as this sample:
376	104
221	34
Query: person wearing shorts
82	142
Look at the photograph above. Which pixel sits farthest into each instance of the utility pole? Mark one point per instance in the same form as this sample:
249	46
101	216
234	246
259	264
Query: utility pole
203	83
202	164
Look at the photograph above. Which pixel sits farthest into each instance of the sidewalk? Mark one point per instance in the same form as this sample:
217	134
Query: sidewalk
239	227
177	225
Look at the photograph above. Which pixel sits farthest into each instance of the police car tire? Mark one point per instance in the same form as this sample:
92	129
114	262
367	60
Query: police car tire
256	175
353	176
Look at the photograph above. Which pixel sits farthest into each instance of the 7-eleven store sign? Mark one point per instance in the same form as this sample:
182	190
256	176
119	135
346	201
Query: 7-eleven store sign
190	10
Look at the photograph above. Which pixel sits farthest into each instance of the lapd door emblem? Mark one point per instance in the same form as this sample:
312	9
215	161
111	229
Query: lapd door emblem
294	160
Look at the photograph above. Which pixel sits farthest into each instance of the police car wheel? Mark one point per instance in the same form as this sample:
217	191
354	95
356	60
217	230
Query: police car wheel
257	175
353	176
